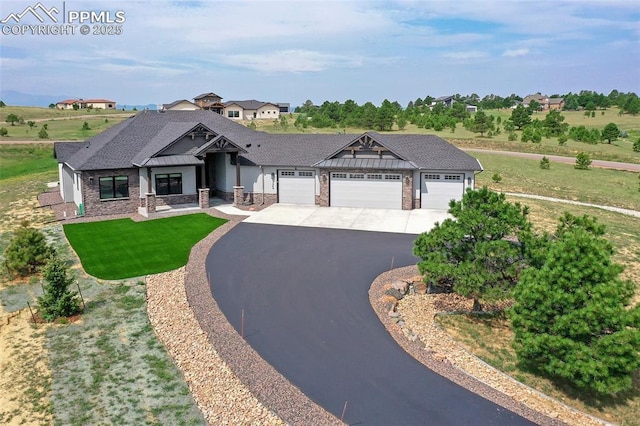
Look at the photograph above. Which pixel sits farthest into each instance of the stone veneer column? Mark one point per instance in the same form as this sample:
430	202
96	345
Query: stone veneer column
407	191
238	195
150	202
323	198
203	198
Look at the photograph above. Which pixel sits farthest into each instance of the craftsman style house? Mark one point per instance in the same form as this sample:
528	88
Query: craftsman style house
184	157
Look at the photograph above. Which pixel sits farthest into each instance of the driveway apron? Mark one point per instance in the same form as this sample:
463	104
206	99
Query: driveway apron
306	309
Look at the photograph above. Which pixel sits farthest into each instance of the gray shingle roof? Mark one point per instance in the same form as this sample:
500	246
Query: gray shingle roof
206	95
179	101
62	151
250	104
428	152
137	140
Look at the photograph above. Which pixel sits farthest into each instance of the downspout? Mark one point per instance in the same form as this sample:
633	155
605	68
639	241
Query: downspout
262	172
476	174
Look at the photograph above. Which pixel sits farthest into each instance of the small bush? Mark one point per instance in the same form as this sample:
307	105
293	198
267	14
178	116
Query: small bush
3	131
57	300
496	177
513	136
545	164
583	161
42	134
27	251
562	140
636	145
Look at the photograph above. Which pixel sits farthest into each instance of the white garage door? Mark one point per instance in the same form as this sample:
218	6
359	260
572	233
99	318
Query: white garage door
296	187
372	190
439	188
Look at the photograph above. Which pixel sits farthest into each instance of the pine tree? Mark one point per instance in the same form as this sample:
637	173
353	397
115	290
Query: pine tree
474	255
570	316
57	300
27	251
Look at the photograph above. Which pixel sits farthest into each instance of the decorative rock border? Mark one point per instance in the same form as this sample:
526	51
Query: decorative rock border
268	386
434	348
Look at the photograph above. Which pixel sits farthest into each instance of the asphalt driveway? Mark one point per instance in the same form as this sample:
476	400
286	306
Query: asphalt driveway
307	313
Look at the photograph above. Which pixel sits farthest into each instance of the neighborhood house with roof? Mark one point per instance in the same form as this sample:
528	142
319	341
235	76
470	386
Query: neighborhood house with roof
86	104
235	110
158	158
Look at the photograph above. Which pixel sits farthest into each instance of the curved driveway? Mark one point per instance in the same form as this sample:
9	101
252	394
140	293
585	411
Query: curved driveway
307	313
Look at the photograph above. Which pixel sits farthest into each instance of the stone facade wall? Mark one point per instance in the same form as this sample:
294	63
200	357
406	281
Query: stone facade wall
203	198
258	199
407	190
94	206
170	200
227	196
323	198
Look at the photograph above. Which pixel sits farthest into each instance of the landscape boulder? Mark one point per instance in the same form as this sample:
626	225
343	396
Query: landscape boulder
401	286
394	293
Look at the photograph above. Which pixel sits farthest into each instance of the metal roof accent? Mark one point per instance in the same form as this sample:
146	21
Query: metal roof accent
173	160
365	163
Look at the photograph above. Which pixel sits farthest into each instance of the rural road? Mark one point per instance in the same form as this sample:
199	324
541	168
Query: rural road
304	296
560	159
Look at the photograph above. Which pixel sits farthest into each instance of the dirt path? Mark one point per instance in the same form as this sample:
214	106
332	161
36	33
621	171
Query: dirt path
560	159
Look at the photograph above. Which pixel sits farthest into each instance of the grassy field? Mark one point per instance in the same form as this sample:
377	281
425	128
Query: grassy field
620	150
105	367
598	186
60	124
67	125
38	113
122	248
24	171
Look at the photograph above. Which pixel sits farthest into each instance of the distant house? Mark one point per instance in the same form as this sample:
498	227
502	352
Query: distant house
86	104
181	105
448	101
556	103
210	101
251	109
285	108
546	103
235	110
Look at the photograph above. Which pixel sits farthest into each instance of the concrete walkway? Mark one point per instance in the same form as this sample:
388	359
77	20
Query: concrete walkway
577	203
631	167
378	220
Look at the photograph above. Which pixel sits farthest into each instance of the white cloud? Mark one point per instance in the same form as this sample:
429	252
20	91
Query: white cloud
514	53
465	55
296	61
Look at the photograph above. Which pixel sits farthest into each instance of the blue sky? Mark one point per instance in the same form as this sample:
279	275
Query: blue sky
290	51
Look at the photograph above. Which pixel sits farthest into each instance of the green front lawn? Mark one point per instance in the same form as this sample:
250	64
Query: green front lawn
117	249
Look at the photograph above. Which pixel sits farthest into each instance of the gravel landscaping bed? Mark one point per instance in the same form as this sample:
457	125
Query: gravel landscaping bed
413	326
227	378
